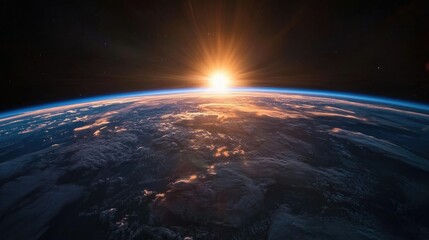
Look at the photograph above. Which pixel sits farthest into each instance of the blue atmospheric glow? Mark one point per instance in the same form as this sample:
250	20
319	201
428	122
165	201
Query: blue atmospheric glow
318	93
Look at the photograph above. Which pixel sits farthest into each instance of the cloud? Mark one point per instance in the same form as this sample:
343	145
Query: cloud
288	225
382	146
95	154
235	193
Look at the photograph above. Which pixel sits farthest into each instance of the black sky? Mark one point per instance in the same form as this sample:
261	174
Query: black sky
56	50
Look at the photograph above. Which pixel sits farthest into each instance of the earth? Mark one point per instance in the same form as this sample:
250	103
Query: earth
195	165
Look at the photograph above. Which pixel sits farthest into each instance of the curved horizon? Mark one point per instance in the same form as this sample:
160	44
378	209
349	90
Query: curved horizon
308	92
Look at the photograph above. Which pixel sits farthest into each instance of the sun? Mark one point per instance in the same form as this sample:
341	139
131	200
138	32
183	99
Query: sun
219	81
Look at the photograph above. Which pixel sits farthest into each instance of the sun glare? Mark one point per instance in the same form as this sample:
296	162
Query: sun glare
219	81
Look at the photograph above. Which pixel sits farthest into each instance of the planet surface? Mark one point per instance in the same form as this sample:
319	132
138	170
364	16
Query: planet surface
251	164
